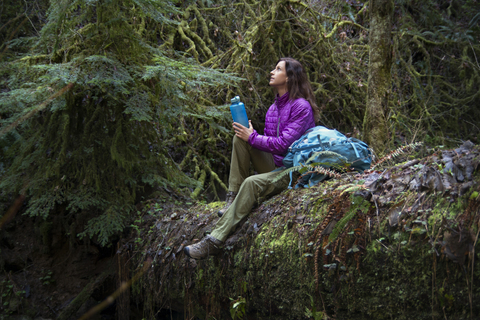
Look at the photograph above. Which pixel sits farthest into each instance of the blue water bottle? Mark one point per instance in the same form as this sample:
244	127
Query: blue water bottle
239	114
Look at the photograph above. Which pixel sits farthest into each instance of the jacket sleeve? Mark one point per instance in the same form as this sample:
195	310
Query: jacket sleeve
299	121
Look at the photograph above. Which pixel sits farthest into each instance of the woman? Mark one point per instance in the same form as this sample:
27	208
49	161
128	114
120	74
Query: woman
293	113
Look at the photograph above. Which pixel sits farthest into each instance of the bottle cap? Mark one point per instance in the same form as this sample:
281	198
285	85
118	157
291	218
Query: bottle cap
236	99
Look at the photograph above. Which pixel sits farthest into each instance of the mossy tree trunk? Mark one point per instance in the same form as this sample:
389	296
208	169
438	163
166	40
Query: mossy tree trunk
379	83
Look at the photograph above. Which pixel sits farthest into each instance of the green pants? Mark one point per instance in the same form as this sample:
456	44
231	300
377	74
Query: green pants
251	189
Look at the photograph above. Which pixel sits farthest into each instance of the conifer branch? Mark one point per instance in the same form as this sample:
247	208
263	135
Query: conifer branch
36	109
12	35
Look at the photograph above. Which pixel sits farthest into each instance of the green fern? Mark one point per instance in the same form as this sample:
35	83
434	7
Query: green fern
358	204
351	188
396	153
327	167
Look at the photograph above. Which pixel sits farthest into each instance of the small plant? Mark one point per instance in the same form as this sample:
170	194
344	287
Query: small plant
358	204
395	153
10	298
237	308
136	227
312	313
157	208
6	288
152	229
47	278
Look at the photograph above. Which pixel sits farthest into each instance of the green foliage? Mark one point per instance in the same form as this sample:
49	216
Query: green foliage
135	226
6	291
249	37
358	204
334	160
313	313
144	91
237	308
88	153
47	278
436	73
10	297
435	63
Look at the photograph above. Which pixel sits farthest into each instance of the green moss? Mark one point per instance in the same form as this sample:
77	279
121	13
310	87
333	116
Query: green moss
401	271
216	205
284	242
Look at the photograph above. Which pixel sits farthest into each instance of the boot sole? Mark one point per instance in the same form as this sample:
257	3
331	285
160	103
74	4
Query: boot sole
187	252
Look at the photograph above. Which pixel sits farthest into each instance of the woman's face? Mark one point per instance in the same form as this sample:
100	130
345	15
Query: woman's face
278	76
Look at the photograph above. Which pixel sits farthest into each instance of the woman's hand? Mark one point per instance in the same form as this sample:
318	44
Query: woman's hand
243	132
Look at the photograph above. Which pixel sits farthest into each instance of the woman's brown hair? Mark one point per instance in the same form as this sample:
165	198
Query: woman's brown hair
298	85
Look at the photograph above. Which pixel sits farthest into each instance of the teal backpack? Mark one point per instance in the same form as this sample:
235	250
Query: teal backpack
328	148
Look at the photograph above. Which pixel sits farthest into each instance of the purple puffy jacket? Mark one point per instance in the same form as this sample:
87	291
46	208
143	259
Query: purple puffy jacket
285	122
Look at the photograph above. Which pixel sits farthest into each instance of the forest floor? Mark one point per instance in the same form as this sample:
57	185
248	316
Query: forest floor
38	282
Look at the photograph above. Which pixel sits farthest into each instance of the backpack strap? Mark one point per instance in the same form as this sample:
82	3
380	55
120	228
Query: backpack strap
320	141
355	148
291	178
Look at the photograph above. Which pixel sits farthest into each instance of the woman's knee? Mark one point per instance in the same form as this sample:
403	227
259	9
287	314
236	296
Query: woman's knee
255	182
237	140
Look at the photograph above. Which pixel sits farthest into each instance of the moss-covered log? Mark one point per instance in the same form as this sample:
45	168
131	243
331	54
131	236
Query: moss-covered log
399	243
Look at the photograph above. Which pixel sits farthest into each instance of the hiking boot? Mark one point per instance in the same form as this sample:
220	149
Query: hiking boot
209	246
228	202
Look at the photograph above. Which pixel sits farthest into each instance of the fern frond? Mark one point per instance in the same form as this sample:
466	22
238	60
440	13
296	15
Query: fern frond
324	171
317	167
351	188
191	74
287	171
397	152
340	225
358	204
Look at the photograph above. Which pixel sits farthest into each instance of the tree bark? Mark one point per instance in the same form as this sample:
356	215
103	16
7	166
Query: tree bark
379	78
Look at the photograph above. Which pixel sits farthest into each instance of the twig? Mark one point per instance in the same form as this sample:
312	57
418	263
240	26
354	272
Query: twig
410	163
110	299
340	24
12	211
471	283
11	37
474	53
